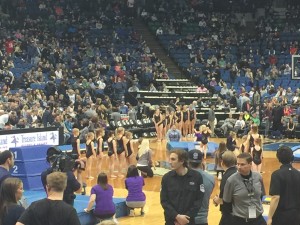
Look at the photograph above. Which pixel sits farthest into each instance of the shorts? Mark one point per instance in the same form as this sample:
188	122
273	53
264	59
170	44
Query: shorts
136	204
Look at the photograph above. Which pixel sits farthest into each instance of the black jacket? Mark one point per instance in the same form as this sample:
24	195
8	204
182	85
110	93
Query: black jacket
181	195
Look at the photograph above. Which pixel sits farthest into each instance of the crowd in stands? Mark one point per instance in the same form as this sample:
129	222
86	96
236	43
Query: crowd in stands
250	67
66	63
68	59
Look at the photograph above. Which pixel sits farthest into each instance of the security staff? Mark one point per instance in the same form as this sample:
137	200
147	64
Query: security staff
229	165
244	191
182	191
285	191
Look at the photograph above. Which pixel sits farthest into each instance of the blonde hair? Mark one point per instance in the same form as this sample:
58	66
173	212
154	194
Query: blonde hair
202	128
119	130
254	129
232	134
99	132
128	134
57	181
76	131
143	147
90	135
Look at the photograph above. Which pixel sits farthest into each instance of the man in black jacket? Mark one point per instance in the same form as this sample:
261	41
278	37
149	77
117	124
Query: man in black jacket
229	165
182	191
285	191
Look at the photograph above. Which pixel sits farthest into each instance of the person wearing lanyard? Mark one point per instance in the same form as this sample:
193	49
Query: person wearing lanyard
228	162
244	190
285	191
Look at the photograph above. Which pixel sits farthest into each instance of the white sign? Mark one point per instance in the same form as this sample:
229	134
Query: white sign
29	139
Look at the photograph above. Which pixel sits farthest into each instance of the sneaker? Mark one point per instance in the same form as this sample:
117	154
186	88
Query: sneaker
131	212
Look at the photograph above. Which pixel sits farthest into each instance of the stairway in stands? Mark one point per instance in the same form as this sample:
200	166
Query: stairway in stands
158	49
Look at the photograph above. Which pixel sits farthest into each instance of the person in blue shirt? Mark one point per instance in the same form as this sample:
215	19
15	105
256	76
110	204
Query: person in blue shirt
195	163
173	134
6	163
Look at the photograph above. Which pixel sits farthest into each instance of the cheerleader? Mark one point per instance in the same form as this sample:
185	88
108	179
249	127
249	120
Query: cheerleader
257	155
185	120
120	131
206	132
167	120
193	117
90	153
112	153
128	146
100	148
198	133
75	144
244	144
218	160
158	122
179	117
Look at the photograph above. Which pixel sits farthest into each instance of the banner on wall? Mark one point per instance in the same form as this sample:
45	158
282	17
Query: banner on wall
8	141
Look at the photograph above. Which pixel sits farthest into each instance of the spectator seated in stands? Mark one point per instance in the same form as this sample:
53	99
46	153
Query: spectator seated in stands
290	128
228	124
239	124
287	110
152	88
202	89
213	82
133	88
224	92
159	31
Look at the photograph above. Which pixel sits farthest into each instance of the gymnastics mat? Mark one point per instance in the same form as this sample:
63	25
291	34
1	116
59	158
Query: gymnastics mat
80	204
187	146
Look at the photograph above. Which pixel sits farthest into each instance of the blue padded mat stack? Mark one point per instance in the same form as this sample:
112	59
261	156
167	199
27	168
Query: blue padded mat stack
30	162
187	146
296	153
80	204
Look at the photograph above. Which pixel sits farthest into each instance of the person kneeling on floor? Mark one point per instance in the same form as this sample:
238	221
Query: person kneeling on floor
134	184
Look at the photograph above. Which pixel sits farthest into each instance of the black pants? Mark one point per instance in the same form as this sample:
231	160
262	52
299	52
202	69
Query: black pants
226	219
240	221
147	170
288	217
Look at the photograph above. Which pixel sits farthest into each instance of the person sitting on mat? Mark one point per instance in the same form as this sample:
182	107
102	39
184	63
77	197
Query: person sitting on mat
102	194
134	184
144	159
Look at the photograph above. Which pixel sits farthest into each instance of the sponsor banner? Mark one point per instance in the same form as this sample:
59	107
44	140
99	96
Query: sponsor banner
8	141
